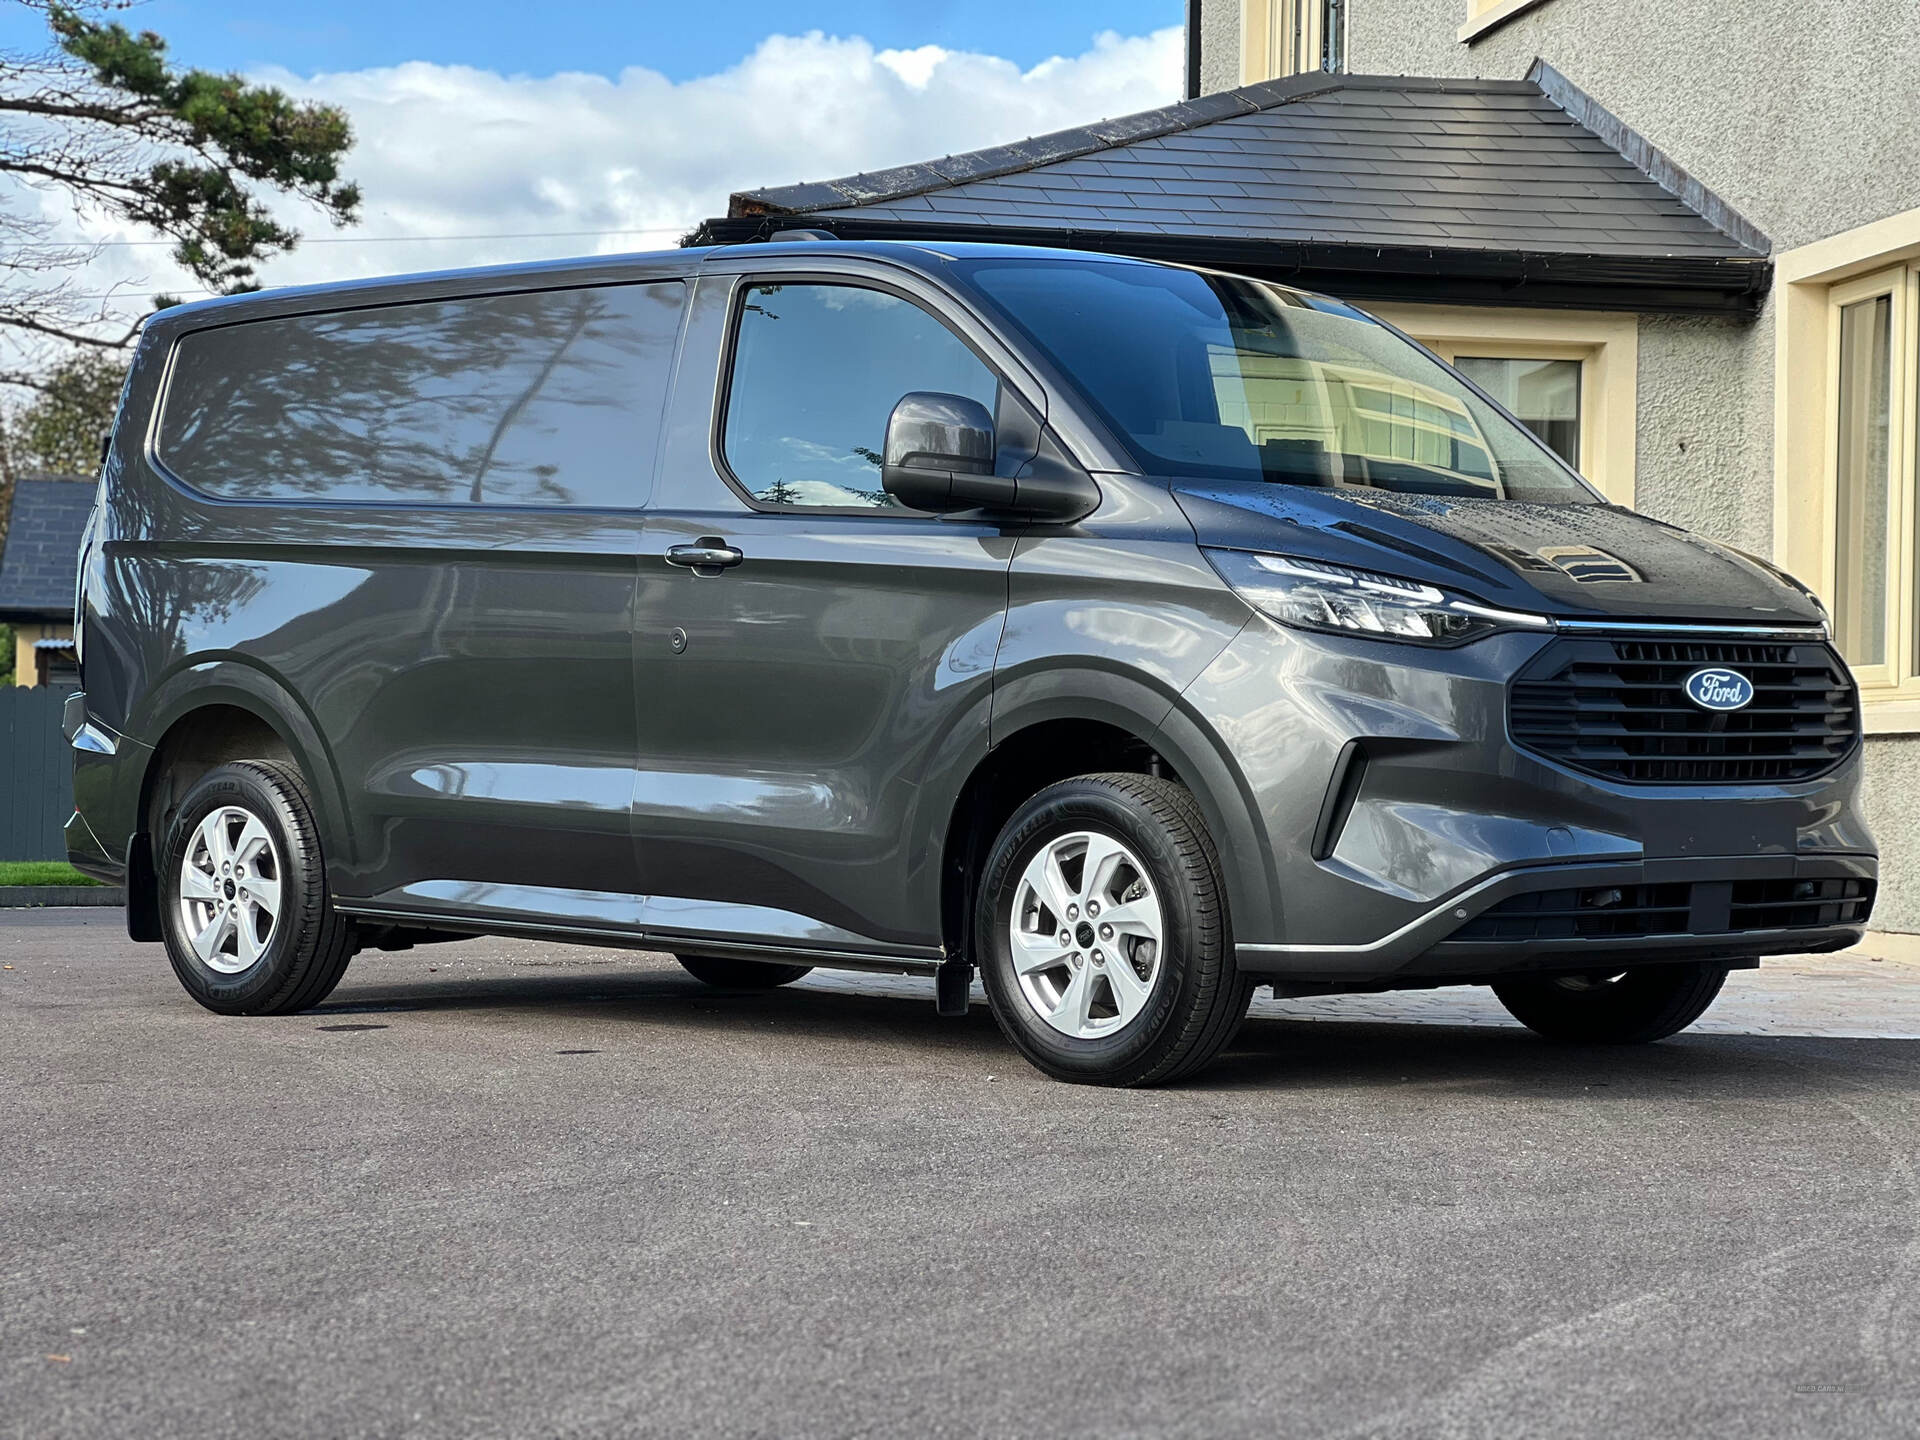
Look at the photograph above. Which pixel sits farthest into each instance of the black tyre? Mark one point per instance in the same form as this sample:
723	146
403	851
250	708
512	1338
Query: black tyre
1620	1008
1102	935
243	894
728	974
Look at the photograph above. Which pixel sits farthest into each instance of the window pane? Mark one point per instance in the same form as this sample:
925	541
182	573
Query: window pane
1333	28
817	370
548	398
1866	353
1544	395
1214	376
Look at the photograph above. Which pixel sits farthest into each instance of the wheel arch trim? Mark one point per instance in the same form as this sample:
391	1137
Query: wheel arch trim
238	683
1154	715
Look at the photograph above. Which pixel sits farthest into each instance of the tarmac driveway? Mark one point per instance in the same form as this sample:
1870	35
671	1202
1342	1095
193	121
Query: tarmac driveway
505	1188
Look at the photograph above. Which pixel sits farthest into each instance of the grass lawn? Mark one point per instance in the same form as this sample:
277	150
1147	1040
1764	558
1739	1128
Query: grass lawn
41	872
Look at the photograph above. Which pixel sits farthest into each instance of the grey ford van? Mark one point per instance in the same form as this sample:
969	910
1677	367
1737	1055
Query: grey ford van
1134	633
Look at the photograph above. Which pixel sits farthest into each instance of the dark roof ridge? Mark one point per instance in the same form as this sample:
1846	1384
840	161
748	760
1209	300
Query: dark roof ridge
1646	157
902	181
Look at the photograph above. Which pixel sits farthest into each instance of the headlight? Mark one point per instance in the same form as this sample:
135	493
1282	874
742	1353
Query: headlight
1314	595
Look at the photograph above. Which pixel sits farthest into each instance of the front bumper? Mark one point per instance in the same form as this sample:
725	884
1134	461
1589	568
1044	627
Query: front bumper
1726	907
1381	873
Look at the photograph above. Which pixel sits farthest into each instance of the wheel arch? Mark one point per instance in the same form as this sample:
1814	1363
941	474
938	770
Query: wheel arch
221	710
1051	730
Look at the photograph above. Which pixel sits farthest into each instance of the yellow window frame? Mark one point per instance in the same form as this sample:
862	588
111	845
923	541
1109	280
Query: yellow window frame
1811	284
1279	38
1484	15
1897	676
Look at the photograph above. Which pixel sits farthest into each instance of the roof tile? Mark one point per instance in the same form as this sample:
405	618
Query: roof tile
1492	165
42	554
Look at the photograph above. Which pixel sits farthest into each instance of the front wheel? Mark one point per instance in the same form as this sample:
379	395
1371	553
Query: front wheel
1628	1007
1102	934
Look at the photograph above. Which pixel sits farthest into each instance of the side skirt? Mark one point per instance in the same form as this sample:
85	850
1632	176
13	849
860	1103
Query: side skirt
902	961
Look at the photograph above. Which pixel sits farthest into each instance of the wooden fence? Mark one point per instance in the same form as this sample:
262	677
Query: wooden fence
36	773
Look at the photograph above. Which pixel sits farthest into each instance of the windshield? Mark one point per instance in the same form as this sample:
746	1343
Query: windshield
1231	379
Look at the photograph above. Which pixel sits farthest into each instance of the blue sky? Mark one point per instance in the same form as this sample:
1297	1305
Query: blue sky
679	39
488	132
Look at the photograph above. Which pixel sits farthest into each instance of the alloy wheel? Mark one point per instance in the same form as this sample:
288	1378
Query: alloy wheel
1086	935
230	881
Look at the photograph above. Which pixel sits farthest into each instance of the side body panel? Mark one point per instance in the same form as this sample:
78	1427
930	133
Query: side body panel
1111	619
807	716
456	679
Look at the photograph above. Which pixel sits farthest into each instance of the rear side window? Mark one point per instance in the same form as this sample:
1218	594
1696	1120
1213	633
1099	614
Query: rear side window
550	398
817	369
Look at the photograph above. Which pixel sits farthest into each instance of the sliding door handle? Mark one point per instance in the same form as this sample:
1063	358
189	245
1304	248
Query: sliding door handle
708	555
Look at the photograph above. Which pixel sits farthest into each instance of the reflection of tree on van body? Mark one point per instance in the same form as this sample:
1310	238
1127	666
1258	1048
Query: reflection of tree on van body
154	599
516	399
543	474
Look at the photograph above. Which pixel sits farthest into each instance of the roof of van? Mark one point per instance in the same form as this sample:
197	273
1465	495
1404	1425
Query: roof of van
590	269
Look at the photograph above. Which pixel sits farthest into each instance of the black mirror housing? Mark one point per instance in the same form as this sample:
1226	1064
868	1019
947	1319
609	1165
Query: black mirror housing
939	453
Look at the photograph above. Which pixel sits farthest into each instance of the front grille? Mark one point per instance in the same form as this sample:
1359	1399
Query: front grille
1617	708
1709	907
1581	914
1795	904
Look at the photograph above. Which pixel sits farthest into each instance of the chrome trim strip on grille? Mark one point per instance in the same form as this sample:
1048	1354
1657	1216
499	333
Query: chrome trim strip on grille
1804	634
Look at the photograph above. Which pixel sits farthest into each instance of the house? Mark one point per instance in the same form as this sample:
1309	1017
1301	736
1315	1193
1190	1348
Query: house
37	572
1681	242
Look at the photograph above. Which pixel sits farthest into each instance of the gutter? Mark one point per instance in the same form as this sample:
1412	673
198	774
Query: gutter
1649	284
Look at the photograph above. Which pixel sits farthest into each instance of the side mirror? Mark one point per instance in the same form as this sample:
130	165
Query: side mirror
939	454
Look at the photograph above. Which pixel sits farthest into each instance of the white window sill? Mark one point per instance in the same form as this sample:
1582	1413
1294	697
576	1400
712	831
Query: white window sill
1492	19
1890	714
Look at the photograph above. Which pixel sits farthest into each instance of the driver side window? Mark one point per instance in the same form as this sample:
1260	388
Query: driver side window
817	369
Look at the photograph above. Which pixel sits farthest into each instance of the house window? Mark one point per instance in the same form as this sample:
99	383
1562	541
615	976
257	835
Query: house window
1543	395
1875	353
1291	37
1568	376
1863	476
1846	437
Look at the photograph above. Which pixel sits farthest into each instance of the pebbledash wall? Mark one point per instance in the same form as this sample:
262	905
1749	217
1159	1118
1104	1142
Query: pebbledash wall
1800	114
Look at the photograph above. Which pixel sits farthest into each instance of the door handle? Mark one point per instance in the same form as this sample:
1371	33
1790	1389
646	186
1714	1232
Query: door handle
708	555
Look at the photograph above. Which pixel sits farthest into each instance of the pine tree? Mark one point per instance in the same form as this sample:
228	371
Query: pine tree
103	119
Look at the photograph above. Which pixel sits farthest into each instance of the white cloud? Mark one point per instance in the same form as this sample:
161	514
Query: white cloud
452	151
915	67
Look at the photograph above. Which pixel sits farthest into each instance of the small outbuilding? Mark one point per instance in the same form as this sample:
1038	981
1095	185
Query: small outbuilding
38	568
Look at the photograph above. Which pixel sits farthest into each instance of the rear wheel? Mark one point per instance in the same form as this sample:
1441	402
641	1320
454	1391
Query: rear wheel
244	909
1102	933
726	974
1614	1008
